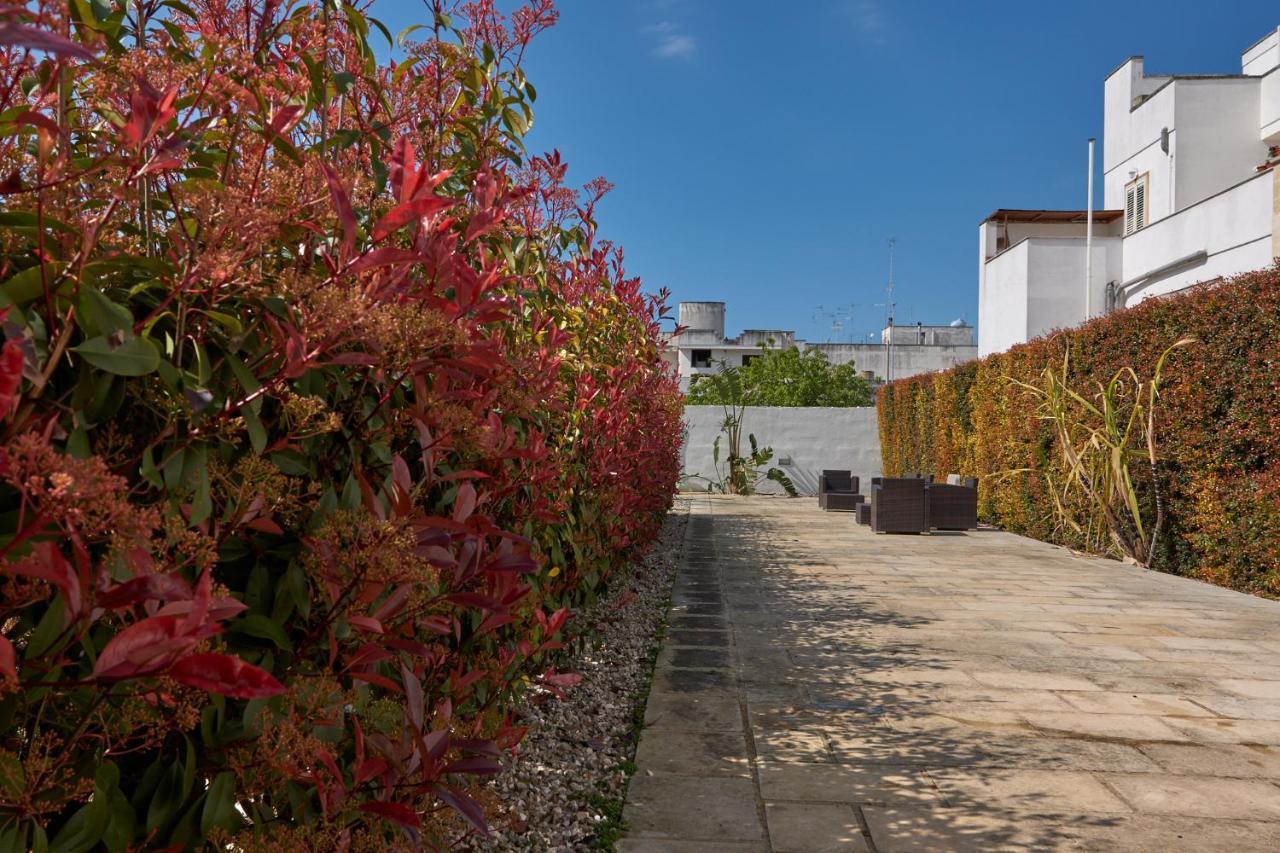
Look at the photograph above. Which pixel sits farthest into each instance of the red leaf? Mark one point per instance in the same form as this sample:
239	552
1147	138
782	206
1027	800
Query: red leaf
55	570
147	647
384	257
10	374
220	609
401	814
404	175
225	675
39	120
152	587
475	599
34	38
475	766
284	119
199	604
406	212
367	623
265	525
465	806
8	659
512	563
342	206
465	503
369	768
562	679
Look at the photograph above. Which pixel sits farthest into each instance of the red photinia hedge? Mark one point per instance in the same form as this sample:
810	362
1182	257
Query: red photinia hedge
322	406
1218	427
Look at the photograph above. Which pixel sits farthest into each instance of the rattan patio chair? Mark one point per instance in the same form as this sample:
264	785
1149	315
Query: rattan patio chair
952	507
899	505
838	491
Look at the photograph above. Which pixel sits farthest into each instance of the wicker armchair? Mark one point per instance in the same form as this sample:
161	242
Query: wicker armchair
838	491
899	505
953	507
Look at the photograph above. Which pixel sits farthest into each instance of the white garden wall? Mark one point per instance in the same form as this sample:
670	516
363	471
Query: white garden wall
812	438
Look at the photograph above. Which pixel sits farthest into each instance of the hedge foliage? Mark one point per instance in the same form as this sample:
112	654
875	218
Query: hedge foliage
321	405
1218	426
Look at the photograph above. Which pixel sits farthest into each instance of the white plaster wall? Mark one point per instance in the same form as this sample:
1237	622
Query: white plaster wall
1002	301
1263	56
1234	228
1269	108
1218	142
1127	131
813	439
1056	270
1131	143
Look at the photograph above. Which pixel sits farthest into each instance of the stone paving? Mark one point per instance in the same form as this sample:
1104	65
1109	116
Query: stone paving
823	688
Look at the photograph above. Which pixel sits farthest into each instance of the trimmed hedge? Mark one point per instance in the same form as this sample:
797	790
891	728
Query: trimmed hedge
1218	426
323	406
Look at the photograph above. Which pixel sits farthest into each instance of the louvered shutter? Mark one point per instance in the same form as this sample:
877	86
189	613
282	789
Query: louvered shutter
1128	209
1140	204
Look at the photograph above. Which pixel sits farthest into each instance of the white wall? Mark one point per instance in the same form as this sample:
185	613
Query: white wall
1269	109
1002	300
1263	56
814	439
908	359
1233	227
1126	130
1218	141
1056	269
1131	143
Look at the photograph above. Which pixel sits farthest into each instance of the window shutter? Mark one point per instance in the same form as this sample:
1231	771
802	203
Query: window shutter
1140	204
1128	209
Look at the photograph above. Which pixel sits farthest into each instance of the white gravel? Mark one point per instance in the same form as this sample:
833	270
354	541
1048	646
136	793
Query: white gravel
575	747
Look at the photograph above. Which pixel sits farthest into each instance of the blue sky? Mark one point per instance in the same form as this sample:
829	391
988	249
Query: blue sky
763	153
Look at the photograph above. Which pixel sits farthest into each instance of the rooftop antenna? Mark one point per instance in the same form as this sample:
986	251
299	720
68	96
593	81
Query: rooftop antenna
837	316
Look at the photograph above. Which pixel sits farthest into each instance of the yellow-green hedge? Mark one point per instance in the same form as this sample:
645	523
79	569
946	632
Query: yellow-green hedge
1218	426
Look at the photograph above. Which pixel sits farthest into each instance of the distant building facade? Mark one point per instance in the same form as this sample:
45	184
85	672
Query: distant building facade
1189	195
903	351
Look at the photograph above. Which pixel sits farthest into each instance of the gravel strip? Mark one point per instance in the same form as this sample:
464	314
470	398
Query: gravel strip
570	765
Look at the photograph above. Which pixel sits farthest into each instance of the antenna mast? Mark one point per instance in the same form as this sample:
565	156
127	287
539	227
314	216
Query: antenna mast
889	308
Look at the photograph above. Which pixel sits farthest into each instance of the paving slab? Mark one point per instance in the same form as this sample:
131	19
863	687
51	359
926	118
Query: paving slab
814	828
823	688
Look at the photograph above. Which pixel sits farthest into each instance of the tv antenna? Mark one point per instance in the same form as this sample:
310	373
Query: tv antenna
837	317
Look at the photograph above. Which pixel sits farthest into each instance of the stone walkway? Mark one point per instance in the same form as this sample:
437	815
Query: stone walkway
826	689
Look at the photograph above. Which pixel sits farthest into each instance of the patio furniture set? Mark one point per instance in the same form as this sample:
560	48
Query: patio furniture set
912	503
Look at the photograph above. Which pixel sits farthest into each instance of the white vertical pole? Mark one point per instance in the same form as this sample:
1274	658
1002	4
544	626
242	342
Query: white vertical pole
1088	242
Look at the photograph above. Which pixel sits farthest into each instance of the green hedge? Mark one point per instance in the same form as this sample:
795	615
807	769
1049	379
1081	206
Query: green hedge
1218	426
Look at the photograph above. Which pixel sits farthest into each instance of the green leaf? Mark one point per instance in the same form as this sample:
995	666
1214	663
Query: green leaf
25	286
133	356
121	824
257	432
201	501
264	628
220	805
98	315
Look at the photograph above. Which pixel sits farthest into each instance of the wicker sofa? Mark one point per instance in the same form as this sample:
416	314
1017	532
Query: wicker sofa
838	491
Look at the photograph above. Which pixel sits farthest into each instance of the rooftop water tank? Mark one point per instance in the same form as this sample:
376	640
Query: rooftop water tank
703	317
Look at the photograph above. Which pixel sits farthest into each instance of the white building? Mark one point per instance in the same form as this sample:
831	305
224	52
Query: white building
903	350
1189	195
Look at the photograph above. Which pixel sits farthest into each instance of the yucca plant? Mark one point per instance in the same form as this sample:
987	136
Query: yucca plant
1102	439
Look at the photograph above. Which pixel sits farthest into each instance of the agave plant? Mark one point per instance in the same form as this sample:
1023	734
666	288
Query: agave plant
1102	439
